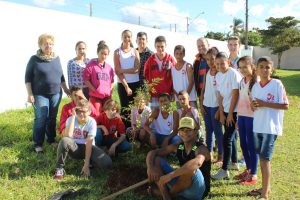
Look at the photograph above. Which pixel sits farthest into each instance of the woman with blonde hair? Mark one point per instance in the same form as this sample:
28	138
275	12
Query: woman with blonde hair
44	79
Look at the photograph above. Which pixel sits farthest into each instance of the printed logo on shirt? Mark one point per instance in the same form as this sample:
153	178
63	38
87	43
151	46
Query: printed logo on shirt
113	129
270	97
102	76
183	72
77	133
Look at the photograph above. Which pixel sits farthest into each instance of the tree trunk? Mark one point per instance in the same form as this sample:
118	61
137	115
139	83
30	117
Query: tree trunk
279	59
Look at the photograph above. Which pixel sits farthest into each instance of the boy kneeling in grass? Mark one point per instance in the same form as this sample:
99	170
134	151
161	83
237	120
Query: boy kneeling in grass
192	179
162	125
268	102
78	141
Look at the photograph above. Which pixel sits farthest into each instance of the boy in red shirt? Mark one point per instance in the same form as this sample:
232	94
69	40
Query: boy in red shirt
158	66
76	95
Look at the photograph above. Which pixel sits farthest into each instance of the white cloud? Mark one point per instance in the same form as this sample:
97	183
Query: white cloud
257	10
233	7
161	14
292	8
48	3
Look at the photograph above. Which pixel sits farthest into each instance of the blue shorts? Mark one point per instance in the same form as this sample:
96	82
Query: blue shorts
195	191
160	138
264	145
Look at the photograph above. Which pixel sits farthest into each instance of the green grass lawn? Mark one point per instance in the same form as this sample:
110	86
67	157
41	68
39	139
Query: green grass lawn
27	175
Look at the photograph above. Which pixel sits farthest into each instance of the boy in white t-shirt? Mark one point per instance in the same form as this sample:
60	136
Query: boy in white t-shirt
78	141
162	125
268	102
228	93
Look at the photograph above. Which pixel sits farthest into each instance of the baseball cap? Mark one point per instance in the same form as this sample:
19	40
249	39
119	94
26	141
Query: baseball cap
186	122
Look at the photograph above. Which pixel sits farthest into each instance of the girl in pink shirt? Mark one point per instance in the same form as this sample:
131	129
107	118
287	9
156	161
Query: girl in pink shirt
99	77
245	121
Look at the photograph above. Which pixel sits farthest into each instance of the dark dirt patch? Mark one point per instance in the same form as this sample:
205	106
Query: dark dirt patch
126	175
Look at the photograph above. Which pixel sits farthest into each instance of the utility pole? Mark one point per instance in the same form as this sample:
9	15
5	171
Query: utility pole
139	20
246	32
175	27
187	25
170	27
91	9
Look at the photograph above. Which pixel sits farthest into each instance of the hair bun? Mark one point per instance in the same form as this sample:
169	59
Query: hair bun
102	42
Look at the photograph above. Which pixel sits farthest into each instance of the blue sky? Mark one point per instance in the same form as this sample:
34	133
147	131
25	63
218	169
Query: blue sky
203	15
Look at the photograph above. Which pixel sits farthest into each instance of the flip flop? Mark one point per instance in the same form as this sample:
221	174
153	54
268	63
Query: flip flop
254	192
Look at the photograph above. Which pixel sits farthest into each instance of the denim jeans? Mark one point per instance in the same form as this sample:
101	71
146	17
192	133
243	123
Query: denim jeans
45	112
103	141
229	137
247	142
195	191
213	126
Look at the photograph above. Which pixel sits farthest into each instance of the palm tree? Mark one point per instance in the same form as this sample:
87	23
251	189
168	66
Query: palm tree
237	26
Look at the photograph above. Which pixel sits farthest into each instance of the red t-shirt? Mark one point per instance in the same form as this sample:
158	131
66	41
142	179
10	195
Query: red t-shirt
151	71
113	126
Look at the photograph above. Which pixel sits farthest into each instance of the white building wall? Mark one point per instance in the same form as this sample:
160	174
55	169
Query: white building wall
21	26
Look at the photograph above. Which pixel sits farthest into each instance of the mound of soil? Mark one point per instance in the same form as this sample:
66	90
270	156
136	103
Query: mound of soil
124	176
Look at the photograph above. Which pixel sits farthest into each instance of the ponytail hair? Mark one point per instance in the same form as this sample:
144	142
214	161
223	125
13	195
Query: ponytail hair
249	61
102	46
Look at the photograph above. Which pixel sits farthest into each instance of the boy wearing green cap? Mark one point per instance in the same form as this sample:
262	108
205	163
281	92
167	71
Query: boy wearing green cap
192	179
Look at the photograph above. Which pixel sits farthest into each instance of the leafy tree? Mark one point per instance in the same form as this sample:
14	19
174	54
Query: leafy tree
281	35
254	38
216	35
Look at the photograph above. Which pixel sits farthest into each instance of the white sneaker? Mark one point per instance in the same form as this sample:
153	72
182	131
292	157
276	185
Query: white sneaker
221	174
234	166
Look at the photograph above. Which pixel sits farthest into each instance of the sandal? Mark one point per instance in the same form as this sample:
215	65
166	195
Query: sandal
262	198
254	192
39	149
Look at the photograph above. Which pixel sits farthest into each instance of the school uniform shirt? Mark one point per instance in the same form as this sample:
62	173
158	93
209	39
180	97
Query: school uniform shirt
83	131
140	119
194	112
244	103
181	81
269	120
101	77
113	126
211	91
154	68
226	82
163	126
66	112
75	72
127	62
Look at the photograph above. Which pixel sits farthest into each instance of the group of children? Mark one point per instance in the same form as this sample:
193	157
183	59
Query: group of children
231	91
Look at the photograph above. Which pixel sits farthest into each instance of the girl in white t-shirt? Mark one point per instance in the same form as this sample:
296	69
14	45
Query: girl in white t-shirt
210	107
182	77
228	93
245	121
268	102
